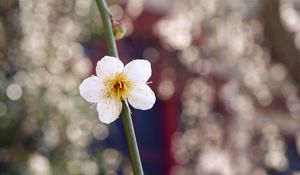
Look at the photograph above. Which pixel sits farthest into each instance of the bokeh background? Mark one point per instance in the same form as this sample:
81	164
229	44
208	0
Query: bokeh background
226	74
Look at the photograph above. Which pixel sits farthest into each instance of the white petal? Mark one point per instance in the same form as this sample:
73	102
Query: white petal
91	89
109	110
108	66
142	97
138	70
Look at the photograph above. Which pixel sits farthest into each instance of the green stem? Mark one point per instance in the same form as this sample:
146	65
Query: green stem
126	114
131	140
108	30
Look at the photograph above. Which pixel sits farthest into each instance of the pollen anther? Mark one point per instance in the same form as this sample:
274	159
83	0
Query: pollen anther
117	86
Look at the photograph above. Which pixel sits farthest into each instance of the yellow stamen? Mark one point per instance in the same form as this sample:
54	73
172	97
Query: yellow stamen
117	86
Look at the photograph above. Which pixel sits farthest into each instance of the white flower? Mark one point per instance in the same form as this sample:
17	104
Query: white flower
114	83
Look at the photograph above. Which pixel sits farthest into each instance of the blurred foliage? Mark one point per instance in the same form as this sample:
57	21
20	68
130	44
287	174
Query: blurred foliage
45	126
240	106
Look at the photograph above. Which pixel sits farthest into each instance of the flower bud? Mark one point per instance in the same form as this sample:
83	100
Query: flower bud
118	29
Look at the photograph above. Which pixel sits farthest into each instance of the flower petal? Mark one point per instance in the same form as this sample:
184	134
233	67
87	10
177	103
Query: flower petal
138	70
142	97
108	66
109	110
91	89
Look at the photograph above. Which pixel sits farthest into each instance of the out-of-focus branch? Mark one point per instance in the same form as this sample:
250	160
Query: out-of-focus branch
280	41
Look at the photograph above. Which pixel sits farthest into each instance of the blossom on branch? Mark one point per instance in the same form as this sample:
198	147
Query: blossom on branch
114	83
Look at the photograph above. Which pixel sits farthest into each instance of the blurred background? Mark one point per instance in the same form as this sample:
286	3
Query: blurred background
225	73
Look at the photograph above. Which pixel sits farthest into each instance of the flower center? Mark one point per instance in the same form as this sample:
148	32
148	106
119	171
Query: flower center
117	87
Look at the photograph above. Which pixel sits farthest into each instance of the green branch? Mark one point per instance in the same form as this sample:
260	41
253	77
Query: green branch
125	114
131	140
108	30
